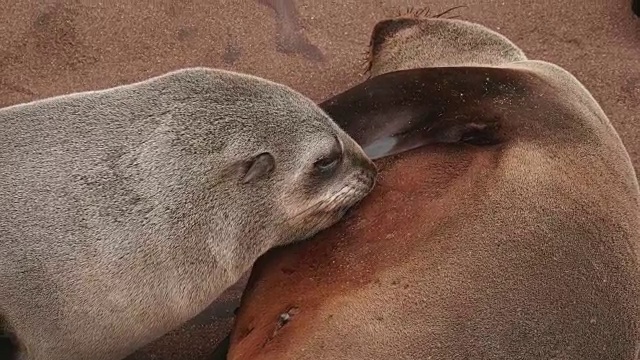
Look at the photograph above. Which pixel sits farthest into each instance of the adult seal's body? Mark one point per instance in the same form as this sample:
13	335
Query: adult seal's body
523	245
125	212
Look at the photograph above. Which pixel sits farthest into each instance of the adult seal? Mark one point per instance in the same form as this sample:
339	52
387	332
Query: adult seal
508	228
125	212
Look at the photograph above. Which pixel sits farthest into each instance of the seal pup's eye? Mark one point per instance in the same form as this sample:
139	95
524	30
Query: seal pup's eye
330	162
326	164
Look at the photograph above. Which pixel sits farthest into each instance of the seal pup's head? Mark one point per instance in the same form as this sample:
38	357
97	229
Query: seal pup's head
275	167
411	42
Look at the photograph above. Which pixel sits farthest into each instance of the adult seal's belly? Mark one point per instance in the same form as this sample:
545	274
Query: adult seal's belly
507	228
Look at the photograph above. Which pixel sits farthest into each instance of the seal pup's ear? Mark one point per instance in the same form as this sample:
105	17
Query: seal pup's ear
258	167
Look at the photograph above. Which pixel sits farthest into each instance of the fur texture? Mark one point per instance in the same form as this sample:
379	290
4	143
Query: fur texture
124	212
528	248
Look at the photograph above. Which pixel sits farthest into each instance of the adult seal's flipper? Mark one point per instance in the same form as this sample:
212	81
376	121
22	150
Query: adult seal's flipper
403	110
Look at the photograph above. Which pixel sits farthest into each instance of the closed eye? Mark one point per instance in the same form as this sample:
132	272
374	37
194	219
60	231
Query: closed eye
330	162
327	163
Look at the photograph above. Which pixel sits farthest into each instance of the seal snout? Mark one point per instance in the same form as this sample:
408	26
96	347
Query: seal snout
365	172
359	183
365	178
368	175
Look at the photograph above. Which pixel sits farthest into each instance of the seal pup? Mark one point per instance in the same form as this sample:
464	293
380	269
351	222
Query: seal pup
125	212
525	247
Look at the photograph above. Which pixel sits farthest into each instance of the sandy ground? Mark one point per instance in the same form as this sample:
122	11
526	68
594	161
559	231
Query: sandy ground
50	47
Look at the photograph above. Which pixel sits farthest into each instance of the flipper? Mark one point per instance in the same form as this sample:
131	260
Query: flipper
402	110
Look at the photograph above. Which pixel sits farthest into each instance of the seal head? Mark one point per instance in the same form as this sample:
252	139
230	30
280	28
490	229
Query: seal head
401	44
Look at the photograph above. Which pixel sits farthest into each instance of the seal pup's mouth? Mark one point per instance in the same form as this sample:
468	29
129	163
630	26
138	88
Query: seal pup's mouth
345	200
328	211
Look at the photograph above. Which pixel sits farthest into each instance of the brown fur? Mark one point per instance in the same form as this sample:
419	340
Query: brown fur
525	249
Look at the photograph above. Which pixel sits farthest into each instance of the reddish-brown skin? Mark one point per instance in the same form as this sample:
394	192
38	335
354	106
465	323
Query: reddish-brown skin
524	249
418	187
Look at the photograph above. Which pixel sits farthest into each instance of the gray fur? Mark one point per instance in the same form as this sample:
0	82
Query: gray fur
124	212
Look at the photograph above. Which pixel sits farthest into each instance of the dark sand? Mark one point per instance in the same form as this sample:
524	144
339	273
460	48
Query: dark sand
50	47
